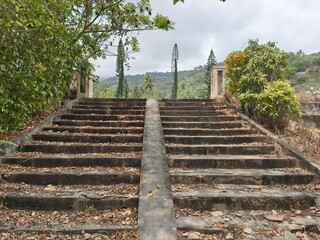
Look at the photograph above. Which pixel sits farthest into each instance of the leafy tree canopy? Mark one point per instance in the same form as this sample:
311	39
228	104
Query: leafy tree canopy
44	43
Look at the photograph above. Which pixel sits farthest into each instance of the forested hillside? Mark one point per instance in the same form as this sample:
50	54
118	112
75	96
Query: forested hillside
306	75
191	85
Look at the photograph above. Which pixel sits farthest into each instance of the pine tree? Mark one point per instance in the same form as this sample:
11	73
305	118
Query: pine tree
210	63
174	69
120	70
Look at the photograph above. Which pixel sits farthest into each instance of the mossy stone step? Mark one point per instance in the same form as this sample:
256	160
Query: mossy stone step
107	111
198	112
231	149
102	117
72	178
211	125
95	130
208	131
200	118
80	148
238	176
114	106
118	124
215	139
272	199
230	162
66	201
52	137
192	108
74	161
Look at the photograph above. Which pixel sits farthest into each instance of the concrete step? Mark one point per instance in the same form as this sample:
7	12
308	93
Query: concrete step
222	118
102	117
230	162
231	149
107	111
215	139
71	178
192	108
191	113
61	137
112	100
74	161
223	199
186	100
208	131
58	201
115	106
239	176
95	130
42	230
118	124
211	125
72	148
190	103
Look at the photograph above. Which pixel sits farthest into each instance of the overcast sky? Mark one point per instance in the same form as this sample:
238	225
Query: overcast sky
202	25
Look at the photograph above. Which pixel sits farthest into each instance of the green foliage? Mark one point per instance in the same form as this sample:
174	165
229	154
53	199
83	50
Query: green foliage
210	63
301	62
276	103
148	85
3	142
253	73
38	58
174	69
126	88
191	86
45	43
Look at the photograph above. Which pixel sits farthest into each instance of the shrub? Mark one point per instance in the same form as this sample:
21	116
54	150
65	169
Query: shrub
255	77
277	103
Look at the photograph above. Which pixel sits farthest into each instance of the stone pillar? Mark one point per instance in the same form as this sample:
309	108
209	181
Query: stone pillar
217	81
84	86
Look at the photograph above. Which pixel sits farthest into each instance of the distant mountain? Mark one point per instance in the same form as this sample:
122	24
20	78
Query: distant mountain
191	84
135	80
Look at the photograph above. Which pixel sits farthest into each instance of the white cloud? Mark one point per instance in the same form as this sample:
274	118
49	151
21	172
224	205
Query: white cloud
223	27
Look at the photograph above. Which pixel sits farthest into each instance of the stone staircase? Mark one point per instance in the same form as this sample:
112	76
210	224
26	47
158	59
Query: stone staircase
222	170
173	169
86	164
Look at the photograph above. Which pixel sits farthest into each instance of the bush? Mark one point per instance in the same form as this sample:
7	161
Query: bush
255	77
276	104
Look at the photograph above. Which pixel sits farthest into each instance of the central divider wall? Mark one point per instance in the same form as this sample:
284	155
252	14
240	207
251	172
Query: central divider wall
156	213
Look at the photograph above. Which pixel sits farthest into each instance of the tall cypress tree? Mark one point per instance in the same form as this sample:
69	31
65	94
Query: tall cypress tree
120	70
210	63
174	69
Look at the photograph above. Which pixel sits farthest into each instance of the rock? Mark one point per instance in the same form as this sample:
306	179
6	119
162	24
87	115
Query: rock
217	213
248	231
229	236
304	221
289	236
193	222
274	218
308	223
50	188
294	227
87	236
194	235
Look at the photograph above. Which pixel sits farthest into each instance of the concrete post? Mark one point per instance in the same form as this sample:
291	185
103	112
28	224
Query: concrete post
84	86
217	81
